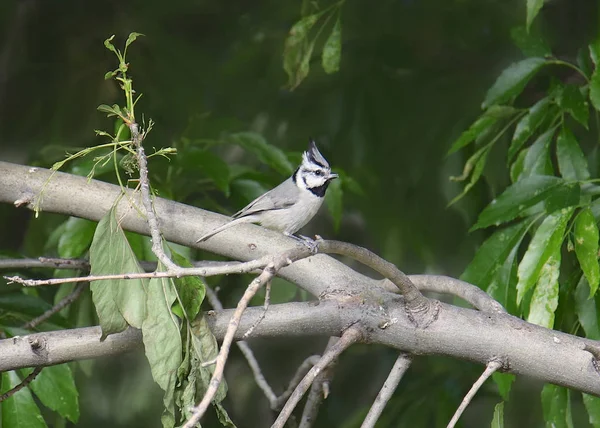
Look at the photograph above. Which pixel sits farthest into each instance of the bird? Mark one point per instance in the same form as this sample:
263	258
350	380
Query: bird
293	203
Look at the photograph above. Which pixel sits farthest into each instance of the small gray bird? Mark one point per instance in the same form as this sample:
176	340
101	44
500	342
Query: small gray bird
292	204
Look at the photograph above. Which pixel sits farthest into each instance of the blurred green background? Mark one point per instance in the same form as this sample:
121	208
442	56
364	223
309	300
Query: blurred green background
413	74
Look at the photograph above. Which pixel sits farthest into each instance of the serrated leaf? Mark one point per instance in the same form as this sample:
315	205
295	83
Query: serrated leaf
297	50
528	125
586	247
132	37
19	410
267	153
592	405
537	160
76	237
512	81
118	302
573	102
533	8
191	289
332	50
545	244
586	310
571	161
530	42
334	199
555	403
162	340
498	418
595	89
517	198
493	253
479	126
545	296
55	387
504	383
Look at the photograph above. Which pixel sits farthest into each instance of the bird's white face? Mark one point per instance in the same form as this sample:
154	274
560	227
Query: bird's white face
314	173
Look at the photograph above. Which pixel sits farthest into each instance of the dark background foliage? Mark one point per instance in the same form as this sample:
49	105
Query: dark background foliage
412	77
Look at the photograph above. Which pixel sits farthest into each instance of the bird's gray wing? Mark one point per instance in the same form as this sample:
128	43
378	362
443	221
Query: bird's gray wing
282	196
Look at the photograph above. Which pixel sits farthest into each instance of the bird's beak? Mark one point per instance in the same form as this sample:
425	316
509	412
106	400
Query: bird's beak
333	175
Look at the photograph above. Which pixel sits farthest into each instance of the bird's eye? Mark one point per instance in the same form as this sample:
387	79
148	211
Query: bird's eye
318	173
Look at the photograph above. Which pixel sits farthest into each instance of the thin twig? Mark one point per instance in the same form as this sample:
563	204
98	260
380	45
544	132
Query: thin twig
67	300
319	391
350	336
268	273
387	390
36	371
301	371
225	269
259	378
489	370
263	313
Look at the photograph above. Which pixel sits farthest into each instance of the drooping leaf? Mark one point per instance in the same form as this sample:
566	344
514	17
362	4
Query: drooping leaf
332	50
162	341
19	410
533	8
504	383
76	237
555	403
545	296
529	124
537	160
573	102
595	89
545	244
191	290
517	198
493	253
55	387
333	199
482	123
498	418
586	247
592	405
267	153
530	42
297	49
512	81
586	310
118	302
132	37
571	161
476	164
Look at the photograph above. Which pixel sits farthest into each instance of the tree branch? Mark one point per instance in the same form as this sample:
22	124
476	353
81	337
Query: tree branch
36	371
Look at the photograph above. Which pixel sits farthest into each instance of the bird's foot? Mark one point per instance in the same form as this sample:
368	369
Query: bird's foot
312	245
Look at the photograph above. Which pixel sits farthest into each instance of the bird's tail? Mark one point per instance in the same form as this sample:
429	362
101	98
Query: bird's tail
248	219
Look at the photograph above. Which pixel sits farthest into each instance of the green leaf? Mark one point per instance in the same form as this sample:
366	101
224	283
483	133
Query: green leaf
592	405
19	410
504	383
498	419
586	247
205	349
191	290
516	169
118	302
571	161
533	8
132	37
333	199
530	42
297	50
332	50
586	310
594	48
209	164
528	125
545	296
477	128
565	196
537	160
572	101
267	153
512	81
479	159
595	89
109	45
110	110
493	253
162	340
555	403
55	387
517	198
545	244
76	238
